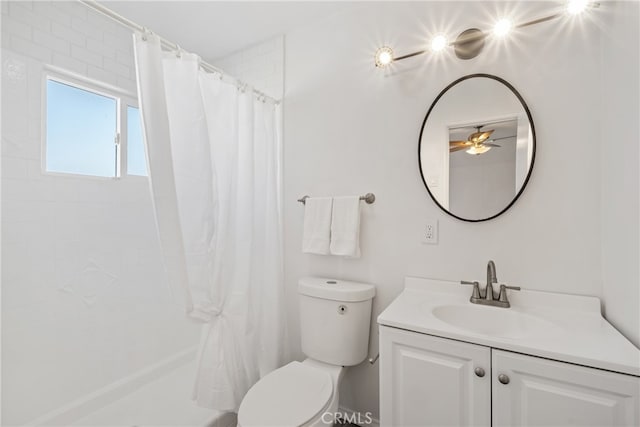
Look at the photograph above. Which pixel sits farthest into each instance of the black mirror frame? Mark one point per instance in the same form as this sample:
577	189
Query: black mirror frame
533	133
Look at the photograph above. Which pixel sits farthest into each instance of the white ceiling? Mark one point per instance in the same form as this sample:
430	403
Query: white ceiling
214	29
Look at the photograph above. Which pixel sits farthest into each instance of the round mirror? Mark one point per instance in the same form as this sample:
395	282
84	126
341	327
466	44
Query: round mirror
477	147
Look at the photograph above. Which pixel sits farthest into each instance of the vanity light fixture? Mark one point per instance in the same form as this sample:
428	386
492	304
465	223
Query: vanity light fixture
438	43
470	42
576	7
384	56
502	27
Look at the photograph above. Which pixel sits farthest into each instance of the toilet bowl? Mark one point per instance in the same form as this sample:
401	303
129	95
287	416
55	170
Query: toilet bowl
335	317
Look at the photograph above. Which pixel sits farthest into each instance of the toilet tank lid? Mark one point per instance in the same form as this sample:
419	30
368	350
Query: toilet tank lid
336	289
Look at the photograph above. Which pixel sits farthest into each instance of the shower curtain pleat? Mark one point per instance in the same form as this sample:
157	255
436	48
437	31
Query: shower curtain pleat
218	207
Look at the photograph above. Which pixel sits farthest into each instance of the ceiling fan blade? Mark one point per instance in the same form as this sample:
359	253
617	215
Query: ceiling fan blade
454	149
504	137
478	137
459	143
488	144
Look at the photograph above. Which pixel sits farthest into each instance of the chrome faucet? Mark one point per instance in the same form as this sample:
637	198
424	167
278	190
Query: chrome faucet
491	279
486	296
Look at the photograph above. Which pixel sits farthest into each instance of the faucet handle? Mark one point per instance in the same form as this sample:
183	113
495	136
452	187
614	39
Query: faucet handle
476	288
503	292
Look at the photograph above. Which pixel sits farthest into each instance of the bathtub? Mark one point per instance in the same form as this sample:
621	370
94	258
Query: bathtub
158	396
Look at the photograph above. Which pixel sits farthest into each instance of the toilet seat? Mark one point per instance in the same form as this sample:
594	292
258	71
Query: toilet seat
290	396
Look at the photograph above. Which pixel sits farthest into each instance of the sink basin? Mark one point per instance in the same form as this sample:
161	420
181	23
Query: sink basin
493	321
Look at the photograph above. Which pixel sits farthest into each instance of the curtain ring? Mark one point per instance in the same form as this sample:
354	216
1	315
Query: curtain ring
178	51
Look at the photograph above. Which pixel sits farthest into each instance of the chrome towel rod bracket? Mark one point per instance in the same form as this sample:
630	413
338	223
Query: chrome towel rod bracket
369	198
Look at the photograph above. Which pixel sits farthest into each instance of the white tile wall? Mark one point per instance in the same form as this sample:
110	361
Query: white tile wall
85	301
261	66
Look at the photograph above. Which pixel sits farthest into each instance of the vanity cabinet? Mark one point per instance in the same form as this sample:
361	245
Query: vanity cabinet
431	381
542	392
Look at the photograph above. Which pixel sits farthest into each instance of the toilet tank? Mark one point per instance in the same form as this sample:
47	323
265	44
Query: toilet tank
335	316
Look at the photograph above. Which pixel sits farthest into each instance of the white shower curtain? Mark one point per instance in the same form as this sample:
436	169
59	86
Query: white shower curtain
214	156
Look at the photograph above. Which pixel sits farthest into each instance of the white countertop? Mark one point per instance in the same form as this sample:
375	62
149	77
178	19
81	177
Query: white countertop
569	328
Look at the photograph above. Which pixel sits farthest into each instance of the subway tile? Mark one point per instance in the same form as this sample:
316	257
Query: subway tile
86	28
33	135
35	170
68	34
27	4
125	58
20	12
106	24
13	168
27	189
99	47
46	9
86	56
69	63
5	42
20	210
117	68
73	8
50	41
30	49
119	42
100	74
19	145
12	27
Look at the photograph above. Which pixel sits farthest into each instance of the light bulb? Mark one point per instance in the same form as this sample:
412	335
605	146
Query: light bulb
479	149
438	43
384	56
575	7
502	27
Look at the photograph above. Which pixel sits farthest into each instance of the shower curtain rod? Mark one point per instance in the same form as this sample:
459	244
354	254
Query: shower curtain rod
166	44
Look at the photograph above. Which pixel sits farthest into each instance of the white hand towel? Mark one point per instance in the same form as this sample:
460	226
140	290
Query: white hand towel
317	225
345	227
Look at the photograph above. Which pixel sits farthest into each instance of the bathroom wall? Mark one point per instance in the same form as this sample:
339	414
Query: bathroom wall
85	301
620	176
351	128
260	65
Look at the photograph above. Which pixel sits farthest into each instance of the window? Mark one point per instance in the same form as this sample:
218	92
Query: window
91	131
136	161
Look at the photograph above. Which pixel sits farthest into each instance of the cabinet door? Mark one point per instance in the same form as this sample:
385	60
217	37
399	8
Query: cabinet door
543	392
430	381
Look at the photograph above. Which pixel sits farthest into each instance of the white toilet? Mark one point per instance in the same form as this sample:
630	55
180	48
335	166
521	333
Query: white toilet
335	317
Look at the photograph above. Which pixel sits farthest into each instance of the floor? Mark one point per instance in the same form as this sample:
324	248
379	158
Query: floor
164	402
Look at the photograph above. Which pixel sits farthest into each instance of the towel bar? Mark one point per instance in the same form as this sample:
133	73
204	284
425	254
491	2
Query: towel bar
369	198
